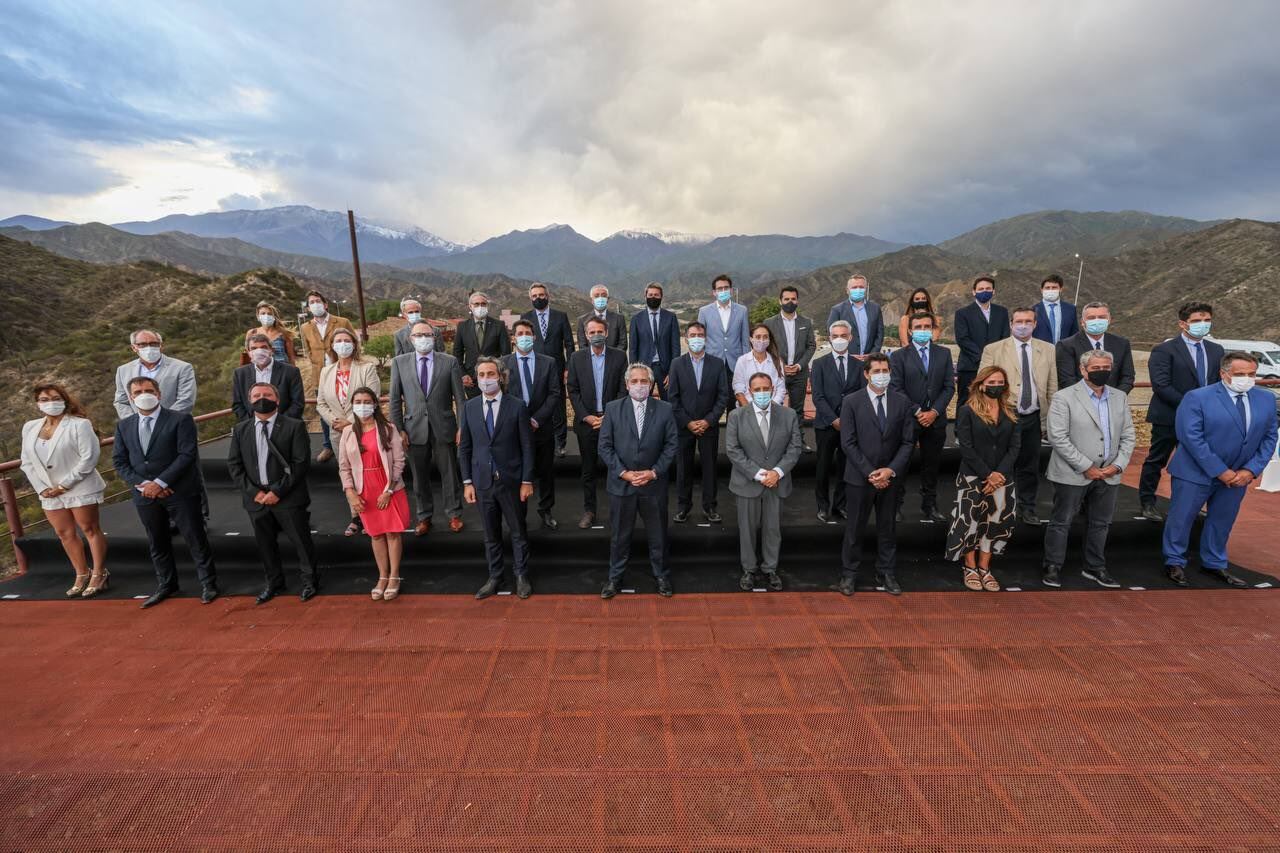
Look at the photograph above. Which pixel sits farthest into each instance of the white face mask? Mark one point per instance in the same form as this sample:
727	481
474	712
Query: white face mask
1242	384
317	309
52	408
146	402
488	386
638	391
480	311
839	344
344	349
363	410
149	354
1051	295
260	356
880	380
266	319
424	344
759	346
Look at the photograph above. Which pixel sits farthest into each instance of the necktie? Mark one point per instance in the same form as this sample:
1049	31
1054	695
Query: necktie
640	419
263	452
840	363
924	358
480	331
146	433
1024	401
1097	345
424	375
1053	322
1244	419
880	413
526	377
488	416
1200	365
764	425
654	319
542	321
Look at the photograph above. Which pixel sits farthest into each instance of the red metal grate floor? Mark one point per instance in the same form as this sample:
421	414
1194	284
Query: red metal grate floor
950	722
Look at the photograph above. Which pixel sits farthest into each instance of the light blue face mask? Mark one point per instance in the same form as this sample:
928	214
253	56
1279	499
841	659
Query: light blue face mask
1199	328
857	294
524	343
723	296
1097	327
697	344
601	302
922	336
762	398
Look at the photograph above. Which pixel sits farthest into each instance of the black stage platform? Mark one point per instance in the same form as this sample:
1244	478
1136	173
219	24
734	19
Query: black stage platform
569	560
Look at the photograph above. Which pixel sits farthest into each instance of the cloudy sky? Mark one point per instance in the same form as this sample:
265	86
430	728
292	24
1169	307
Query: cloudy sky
910	120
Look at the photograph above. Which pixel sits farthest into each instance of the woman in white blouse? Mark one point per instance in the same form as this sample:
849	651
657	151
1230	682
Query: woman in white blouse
763	358
346	371
60	457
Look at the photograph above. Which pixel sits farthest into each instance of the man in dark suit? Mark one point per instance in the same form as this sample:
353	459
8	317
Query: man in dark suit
496	457
1055	319
877	432
552	337
155	452
655	337
922	370
264	369
615	323
535	379
268	460
638	445
1095	336
478	335
835	376
1176	366
793	335
979	323
596	376
866	322
411	311
699	393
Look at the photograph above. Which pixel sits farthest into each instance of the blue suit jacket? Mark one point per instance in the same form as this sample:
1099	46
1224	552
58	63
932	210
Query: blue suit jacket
933	391
828	392
642	344
875	325
726	347
1212	438
622	450
172	455
510	448
1173	375
1066	319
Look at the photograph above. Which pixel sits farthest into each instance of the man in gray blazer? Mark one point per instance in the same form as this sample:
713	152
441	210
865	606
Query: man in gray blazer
1091	430
411	311
615	323
793	335
426	386
762	441
176	378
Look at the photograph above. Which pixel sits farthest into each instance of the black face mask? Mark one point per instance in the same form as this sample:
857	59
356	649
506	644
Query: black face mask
788	308
1099	377
993	391
264	405
920	306
540	303
654	302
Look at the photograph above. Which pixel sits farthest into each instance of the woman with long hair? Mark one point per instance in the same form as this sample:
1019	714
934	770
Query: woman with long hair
918	301
761	358
60	454
270	324
987	432
371	465
346	369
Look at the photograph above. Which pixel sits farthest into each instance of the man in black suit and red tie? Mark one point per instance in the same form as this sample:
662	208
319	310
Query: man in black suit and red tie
552	336
699	394
979	323
535	379
478	335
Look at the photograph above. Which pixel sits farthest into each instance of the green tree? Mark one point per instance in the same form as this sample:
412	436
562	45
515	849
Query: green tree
765	307
381	347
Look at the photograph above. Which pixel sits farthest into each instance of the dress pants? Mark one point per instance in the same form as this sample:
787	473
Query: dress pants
760	520
861	498
544	467
1187	499
707	446
499	501
1164	438
963	379
559	415
1099	501
1026	468
445	454
797	388
652	508
830	461
295	523
659	374
931	441
183	511
589	450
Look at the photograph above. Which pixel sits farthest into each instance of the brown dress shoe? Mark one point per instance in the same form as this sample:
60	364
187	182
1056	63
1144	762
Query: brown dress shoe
423	528
324	455
588	519
455	524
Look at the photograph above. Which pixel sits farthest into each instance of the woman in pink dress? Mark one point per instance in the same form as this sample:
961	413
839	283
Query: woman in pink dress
371	465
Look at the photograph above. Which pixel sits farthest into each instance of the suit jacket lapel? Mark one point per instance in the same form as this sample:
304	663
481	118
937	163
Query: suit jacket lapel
1092	407
1226	399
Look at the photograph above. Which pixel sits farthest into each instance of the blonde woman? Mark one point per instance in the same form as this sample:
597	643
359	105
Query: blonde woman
347	370
271	325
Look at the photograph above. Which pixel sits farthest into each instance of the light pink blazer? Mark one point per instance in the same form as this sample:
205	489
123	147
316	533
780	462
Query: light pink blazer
351	469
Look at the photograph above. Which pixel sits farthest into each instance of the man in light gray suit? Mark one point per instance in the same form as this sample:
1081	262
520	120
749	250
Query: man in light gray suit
762	441
426	386
1091	430
176	378
411	311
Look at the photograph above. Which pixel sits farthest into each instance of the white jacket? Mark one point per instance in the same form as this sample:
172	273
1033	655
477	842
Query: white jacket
73	457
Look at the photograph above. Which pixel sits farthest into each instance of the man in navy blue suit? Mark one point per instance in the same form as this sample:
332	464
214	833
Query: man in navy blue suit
699	395
921	369
833	377
156	453
1055	319
655	337
495	456
552	337
638	445
1226	435
979	323
1177	366
535	379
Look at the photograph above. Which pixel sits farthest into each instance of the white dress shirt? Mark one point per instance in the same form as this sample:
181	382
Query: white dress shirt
747	366
789	332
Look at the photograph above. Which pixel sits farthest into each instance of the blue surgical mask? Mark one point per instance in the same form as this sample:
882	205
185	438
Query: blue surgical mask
857	294
723	296
762	398
880	380
697	344
524	343
413	317
922	336
601	302
984	296
1199	328
1097	327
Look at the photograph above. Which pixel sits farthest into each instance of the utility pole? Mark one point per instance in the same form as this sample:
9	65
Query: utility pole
1079	278
355	262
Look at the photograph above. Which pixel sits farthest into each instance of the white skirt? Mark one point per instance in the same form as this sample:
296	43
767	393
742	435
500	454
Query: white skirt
70	501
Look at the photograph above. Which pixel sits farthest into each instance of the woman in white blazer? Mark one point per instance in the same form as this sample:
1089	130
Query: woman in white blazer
60	457
346	371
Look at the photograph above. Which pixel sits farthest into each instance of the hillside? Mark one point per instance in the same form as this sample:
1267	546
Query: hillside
1061	233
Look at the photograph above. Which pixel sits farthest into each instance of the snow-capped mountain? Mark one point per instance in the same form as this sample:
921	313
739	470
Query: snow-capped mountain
671	238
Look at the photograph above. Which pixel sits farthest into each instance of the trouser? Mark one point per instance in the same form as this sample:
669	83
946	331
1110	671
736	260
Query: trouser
860	499
1163	440
559	416
445	454
1187	499
964	378
589	450
659	378
797	388
295	523
325	441
1099	501
760	520
830	461
184	512
544	469
502	501
652	508
1026	469
931	440
707	446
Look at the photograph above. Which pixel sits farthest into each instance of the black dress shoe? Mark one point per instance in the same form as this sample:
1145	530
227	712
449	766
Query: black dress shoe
1176	575
931	513
804	448
1150	513
664	588
609	591
775	581
1226	577
747	582
560	451
681	516
548	521
842	515
1028	516
524	589
1101	577
209	593
158	596
308	593
823	516
890	583
847	585
490	588
1052	576
713	516
269	593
